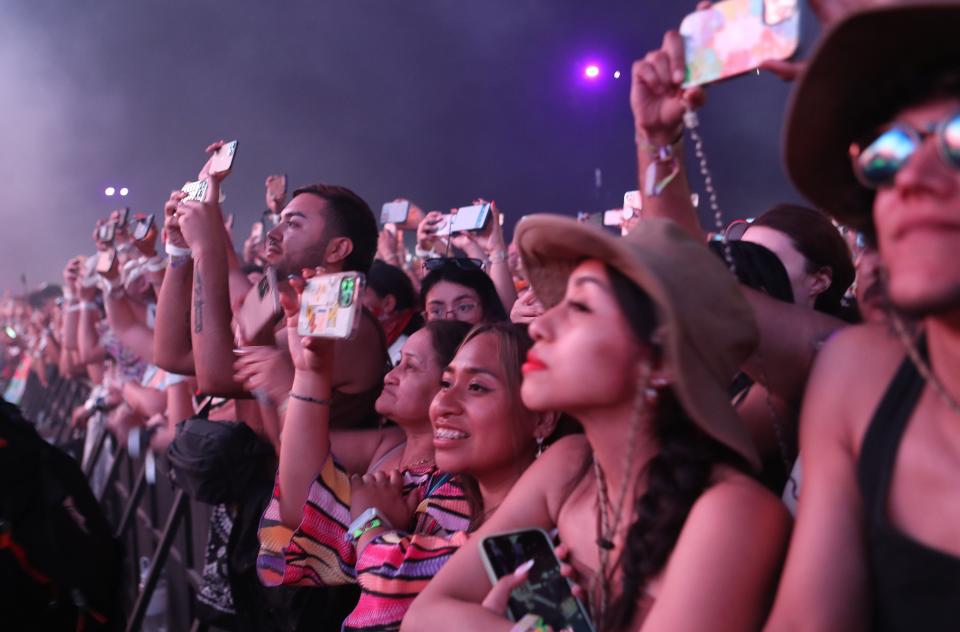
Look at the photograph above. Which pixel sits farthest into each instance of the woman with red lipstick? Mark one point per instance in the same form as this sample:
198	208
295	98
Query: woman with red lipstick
665	523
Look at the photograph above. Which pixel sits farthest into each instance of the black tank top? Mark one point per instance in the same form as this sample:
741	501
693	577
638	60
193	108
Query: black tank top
914	586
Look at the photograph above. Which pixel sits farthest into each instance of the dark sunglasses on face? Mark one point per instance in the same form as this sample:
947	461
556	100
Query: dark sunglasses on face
876	165
461	262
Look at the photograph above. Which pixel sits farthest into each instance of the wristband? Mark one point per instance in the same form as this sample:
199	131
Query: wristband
369	520
531	623
426	254
177	251
497	257
644	145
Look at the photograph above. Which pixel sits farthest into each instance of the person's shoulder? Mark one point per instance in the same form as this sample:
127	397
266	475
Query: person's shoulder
571	449
736	494
865	345
848	379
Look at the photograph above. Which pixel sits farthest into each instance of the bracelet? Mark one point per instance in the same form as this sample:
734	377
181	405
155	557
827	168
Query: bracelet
653	187
312	400
368	520
497	257
531	623
425	254
177	251
644	145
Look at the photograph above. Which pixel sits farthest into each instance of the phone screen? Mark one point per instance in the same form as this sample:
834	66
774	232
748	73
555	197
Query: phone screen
394	213
470	218
546	592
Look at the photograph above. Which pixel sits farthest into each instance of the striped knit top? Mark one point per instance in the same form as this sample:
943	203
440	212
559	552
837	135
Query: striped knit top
392	569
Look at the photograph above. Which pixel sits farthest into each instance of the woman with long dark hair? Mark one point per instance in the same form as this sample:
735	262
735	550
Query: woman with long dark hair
664	521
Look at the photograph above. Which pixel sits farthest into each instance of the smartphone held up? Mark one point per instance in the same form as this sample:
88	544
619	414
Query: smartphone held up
735	36
331	304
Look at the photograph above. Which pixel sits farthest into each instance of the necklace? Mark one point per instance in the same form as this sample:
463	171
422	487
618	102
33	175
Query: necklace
606	529
922	367
424	461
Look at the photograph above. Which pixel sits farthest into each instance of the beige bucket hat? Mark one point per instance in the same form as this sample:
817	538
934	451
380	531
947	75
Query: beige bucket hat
709	327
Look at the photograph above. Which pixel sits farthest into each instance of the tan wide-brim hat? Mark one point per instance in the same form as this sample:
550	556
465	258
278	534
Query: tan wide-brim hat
857	79
709	329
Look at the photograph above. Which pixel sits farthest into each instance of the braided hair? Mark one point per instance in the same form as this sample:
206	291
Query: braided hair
675	477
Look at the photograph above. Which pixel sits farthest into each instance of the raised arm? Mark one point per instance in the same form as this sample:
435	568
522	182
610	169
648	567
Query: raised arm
211	330
658	102
489	246
171	334
306	429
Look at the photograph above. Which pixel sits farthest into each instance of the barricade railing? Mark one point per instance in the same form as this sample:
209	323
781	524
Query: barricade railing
159	526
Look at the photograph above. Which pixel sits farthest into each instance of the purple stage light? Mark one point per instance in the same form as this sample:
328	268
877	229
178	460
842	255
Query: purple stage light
592	71
616	75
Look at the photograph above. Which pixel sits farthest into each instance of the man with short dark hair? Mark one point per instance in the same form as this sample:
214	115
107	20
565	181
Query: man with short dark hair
315	227
323	226
873	137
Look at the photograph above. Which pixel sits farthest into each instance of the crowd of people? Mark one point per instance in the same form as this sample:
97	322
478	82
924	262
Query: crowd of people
737	427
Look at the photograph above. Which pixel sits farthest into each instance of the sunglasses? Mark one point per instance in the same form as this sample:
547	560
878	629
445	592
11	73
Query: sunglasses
463	263
876	165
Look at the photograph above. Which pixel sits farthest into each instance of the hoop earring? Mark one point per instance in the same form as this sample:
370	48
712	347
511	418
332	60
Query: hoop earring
540	448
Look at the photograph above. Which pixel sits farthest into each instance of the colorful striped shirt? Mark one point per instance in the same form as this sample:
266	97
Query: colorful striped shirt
392	569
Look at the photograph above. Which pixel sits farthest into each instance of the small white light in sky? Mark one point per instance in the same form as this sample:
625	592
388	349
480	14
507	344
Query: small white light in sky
109	191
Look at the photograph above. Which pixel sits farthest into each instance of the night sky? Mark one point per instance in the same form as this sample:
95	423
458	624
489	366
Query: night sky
437	101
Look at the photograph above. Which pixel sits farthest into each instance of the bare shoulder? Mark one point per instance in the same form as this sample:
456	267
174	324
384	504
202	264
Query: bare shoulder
848	379
734	519
736	498
558	468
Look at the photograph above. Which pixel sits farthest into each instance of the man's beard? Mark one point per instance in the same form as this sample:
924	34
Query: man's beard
293	264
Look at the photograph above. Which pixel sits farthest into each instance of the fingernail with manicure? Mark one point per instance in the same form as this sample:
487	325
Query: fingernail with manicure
523	568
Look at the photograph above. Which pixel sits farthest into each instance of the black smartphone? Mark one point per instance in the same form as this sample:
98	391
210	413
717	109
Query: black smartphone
106	232
142	228
546	592
123	217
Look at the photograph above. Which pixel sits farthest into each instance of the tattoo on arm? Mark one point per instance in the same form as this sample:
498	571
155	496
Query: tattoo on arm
197	300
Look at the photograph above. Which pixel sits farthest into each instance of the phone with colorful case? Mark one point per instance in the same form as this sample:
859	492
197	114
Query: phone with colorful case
330	305
736	36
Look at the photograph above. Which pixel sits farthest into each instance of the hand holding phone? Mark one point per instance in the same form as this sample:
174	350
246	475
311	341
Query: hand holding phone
427	230
657	97
276	186
546	592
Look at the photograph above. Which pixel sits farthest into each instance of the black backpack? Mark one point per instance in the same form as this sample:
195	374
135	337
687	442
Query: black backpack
60	566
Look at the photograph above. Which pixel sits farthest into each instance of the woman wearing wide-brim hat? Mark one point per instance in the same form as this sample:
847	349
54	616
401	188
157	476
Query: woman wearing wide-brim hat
655	502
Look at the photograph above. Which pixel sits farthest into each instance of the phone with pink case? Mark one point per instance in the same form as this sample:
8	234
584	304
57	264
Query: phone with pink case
736	36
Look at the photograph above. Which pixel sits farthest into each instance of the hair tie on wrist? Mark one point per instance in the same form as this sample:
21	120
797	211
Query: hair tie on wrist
312	400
